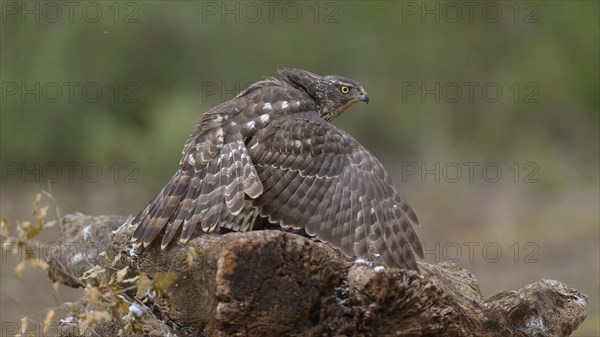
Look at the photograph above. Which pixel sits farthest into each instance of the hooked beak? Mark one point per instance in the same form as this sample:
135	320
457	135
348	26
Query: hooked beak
364	96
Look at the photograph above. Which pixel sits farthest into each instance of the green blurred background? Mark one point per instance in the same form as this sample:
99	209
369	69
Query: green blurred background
99	97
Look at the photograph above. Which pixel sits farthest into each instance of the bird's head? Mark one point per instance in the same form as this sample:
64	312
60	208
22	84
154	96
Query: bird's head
333	94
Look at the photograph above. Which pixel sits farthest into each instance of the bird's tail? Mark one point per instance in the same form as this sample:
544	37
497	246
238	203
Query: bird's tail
162	209
211	193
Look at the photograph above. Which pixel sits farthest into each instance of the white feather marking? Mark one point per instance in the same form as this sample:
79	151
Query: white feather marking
264	118
267	106
250	124
284	104
191	159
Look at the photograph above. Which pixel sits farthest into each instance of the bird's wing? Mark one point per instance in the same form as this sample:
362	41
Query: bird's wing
217	174
211	186
316	176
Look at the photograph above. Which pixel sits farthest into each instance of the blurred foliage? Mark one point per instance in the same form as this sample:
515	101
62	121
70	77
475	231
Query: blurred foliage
175	50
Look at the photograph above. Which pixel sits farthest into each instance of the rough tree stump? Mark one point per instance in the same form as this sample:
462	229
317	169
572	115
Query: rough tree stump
272	283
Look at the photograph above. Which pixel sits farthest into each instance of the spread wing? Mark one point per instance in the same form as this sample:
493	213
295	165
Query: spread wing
217	180
316	176
211	186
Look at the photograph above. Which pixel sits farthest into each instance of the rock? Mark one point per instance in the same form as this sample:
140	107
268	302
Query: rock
272	283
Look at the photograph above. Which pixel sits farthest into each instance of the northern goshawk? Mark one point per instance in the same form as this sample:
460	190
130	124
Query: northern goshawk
271	151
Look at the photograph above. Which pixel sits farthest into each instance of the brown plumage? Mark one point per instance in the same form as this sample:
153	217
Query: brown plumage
271	151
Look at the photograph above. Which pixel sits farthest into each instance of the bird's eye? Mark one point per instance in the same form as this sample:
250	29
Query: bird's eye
345	89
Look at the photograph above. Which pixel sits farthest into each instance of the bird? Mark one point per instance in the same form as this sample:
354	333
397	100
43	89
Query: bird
271	152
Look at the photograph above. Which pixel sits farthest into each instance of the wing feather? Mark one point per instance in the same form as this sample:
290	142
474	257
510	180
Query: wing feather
306	193
217	179
317	176
234	174
361	232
